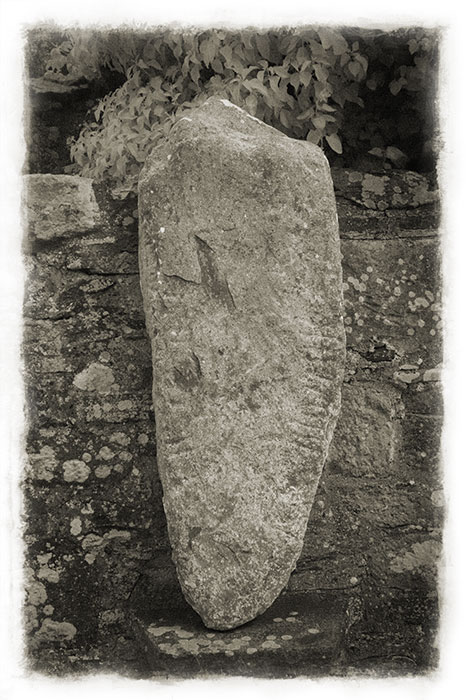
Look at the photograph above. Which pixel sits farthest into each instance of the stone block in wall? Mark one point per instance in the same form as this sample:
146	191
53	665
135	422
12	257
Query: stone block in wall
367	431
59	205
386	205
392	296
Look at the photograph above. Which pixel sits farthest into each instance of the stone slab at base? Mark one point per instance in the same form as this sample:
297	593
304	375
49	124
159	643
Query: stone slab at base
300	635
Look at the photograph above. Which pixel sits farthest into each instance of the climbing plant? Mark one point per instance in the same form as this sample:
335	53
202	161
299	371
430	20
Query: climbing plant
302	82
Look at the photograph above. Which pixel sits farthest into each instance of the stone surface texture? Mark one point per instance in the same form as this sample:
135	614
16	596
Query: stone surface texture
97	550
59	205
242	287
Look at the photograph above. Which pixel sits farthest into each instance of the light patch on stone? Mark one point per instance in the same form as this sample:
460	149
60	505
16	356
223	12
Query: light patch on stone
30	618
102	472
421	555
96	378
37	593
75	526
120	438
313	630
48	610
270	645
159	631
91	541
438	498
53	631
117	534
48	574
407	377
432	375
105	453
43	464
75	470
44	558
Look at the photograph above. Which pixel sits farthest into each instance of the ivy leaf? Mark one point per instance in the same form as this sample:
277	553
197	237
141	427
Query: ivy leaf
295	81
208	50
284	120
282	71
334	40
263	45
314	136
395	87
319	122
195	73
321	73
334	142
363	61
227	53
396	156
413	46
355	68
217	65
302	56
305	115
305	77
326	108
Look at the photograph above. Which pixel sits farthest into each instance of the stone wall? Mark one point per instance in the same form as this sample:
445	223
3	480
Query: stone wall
95	532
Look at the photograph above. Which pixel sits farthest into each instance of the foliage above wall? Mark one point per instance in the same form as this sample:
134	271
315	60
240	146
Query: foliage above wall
350	91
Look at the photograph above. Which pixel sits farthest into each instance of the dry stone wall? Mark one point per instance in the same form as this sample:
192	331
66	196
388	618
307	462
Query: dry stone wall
95	532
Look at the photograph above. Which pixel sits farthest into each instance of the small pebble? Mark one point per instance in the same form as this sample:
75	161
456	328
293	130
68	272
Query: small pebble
278	619
251	650
313	630
291	619
286	636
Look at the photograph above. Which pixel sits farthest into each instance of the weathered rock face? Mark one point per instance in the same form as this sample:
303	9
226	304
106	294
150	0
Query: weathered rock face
59	205
241	279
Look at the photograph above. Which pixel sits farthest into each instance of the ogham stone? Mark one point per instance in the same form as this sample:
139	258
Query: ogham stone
241	280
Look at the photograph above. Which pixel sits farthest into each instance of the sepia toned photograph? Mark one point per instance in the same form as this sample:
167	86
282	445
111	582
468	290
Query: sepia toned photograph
232	351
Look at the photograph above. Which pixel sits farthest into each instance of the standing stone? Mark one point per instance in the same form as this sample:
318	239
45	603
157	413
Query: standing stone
241	279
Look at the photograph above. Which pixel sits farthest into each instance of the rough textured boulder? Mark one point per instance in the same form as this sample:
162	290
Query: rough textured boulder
241	279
